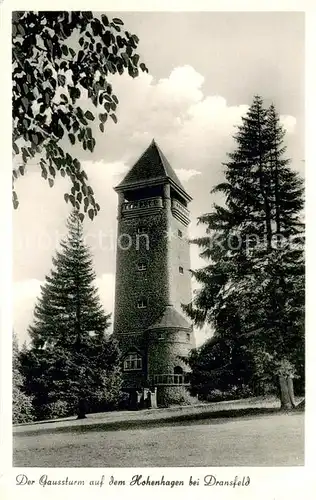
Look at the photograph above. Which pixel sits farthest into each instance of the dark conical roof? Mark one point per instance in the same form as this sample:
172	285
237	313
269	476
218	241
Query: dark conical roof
151	166
171	318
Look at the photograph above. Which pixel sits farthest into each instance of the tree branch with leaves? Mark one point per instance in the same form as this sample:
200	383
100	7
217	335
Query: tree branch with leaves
58	59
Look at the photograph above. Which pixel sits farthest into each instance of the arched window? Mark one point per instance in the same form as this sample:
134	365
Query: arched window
178	375
178	370
133	361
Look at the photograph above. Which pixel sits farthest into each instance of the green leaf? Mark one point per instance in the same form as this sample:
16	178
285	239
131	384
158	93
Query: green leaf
50	182
81	217
25	103
64	97
101	127
125	58
91	213
135	59
21	169
61	80
52	171
66	197
143	67
105	20
112	115
103	117
64	49
76	163
16	149
107	97
89	115
116	20
72	138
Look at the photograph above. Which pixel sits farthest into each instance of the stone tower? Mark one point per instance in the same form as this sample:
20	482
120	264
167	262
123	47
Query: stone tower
153	279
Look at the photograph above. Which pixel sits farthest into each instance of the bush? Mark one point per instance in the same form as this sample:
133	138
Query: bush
169	396
59	409
22	409
123	403
217	395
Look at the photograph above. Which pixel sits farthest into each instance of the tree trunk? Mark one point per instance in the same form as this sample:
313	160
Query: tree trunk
81	409
291	390
286	392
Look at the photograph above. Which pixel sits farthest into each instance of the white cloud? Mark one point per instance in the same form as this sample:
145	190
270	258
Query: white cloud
24	298
288	122
106	286
184	175
202	334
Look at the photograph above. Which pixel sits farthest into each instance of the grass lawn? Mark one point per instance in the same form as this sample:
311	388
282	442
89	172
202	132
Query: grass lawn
264	440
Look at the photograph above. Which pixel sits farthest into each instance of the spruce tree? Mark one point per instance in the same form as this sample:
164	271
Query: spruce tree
72	363
252	290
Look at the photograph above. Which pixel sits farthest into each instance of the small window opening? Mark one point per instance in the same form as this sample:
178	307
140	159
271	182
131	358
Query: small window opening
142	304
142	266
133	362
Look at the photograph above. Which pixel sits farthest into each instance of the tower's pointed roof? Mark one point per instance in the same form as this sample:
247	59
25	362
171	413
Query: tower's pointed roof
171	318
152	167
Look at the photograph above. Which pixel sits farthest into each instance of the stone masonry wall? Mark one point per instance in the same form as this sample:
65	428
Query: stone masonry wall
164	348
133	285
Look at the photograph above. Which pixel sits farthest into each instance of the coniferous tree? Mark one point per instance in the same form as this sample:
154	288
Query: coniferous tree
72	363
252	290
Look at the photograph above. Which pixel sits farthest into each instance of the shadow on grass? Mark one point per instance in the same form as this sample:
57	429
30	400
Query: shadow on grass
208	417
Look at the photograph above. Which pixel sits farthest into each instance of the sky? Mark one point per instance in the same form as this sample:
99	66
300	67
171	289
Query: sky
204	69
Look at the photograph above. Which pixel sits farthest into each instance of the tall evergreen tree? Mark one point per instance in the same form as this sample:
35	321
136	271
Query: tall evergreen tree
72	362
252	290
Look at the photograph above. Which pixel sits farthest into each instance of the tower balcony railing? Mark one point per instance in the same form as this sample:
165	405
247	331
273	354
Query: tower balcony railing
171	379
180	211
155	202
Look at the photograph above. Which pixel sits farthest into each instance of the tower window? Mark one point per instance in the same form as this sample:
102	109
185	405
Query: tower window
142	230
188	337
133	362
142	304
141	266
181	270
180	234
